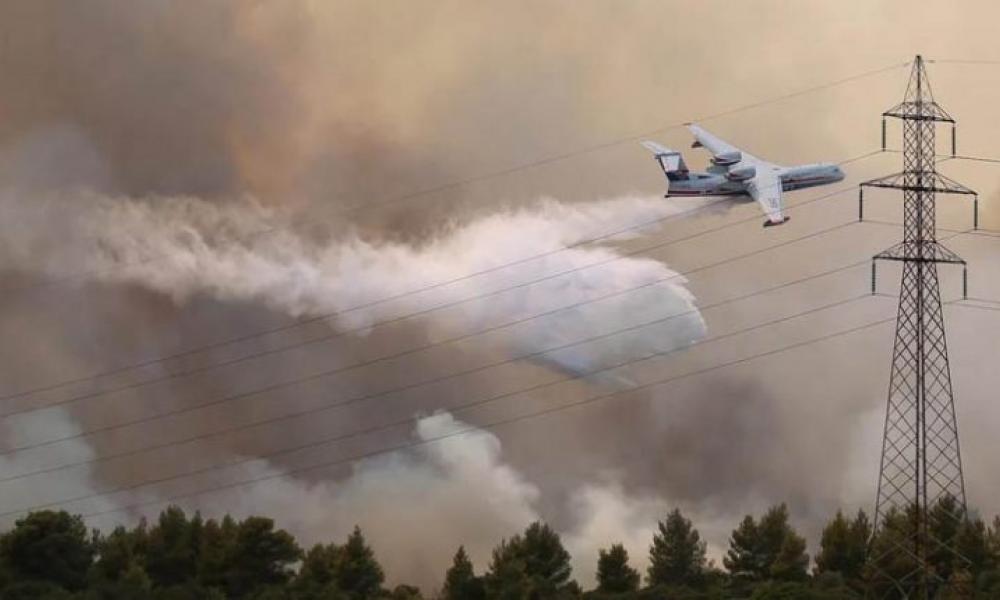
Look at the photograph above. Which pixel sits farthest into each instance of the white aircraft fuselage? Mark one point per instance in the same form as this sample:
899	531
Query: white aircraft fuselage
734	172
714	182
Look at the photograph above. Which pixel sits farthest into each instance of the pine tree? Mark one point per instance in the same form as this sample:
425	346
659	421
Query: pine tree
217	541
358	573
48	546
944	519
614	575
886	561
507	578
460	582
532	565
843	546
834	546
172	548
791	562
766	549
772	531
118	552
677	555
861	535
259	557
317	577
972	544
544	556
743	558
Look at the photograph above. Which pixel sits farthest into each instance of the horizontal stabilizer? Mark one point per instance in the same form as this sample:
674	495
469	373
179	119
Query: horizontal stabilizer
670	161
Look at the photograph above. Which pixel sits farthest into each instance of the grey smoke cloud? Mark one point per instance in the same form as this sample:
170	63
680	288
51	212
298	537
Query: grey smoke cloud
456	488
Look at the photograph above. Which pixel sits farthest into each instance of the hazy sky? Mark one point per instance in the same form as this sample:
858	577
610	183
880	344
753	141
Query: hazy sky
144	145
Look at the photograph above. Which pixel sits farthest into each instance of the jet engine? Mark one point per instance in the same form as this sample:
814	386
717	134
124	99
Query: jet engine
741	174
727	158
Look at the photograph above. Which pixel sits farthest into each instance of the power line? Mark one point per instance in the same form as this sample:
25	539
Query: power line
492	425
409	421
989	308
454	339
987	233
961	61
549	159
338	334
985	159
978	299
480	402
471	429
431	381
945	157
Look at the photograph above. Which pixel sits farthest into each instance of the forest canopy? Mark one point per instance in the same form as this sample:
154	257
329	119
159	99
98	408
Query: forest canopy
51	555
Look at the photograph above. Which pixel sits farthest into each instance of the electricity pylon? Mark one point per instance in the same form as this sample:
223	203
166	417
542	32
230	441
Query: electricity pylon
920	505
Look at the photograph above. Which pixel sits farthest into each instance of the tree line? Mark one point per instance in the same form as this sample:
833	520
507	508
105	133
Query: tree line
51	555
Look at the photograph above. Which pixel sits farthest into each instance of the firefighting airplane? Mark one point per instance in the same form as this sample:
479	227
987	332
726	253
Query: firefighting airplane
734	172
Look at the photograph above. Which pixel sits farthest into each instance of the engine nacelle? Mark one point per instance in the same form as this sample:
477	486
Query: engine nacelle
741	174
727	158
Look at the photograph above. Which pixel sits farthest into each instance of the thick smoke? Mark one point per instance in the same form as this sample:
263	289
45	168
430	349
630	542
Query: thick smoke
417	506
72	484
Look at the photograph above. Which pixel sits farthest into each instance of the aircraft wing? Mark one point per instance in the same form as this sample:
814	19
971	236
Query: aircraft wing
718	146
765	188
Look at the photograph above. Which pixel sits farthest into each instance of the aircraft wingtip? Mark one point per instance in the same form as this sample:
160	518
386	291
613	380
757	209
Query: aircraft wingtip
770	223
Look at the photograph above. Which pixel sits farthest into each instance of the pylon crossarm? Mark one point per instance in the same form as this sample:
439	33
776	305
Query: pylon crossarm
919	111
924	251
932	181
947	185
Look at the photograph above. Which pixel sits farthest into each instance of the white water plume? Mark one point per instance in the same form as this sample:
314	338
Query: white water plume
533	269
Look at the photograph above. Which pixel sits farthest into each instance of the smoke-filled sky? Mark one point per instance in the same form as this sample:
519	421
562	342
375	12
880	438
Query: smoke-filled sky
309	180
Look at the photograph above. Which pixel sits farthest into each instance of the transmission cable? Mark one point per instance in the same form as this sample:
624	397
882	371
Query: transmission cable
410	420
432	381
454	339
416	443
492	425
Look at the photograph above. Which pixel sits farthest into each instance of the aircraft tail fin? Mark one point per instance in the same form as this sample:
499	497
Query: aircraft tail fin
670	161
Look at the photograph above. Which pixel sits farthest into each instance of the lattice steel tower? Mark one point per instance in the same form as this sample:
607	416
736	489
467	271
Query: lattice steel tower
921	490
